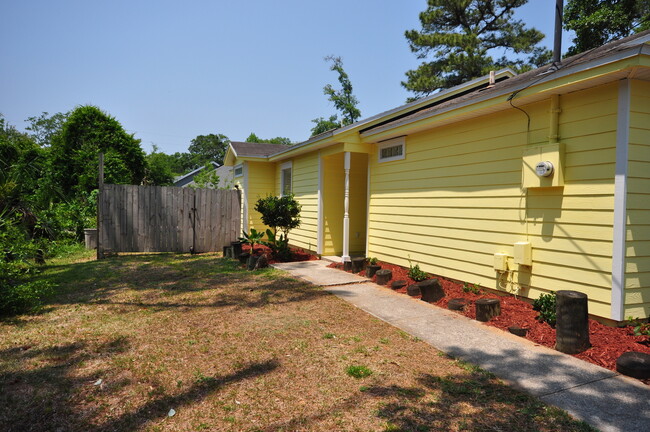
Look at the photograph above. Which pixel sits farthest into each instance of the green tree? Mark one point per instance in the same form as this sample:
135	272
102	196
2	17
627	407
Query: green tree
460	35
208	148
343	99
45	126
323	125
207	178
253	138
159	169
597	22
87	132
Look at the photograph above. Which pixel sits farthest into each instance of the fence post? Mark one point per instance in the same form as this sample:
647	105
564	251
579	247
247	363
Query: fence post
100	215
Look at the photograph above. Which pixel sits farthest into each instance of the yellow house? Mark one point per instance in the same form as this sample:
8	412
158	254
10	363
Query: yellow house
527	184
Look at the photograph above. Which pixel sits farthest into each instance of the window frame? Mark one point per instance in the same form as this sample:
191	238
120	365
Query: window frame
234	171
287	166
393	142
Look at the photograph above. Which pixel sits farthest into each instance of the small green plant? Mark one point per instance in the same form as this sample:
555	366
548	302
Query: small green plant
358	372
639	327
471	288
372	261
545	305
279	245
252	238
416	274
329	336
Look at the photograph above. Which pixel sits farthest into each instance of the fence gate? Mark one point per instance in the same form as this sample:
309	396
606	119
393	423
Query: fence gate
166	219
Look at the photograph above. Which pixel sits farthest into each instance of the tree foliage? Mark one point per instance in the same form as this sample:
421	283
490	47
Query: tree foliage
343	99
208	148
159	169
461	36
253	138
279	213
323	125
597	22
45	126
87	132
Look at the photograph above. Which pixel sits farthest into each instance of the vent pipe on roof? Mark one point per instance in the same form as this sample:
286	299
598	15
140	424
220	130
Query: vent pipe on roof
557	39
492	79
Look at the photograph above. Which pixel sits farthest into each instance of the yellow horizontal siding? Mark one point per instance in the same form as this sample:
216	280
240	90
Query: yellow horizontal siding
305	189
456	199
637	265
261	182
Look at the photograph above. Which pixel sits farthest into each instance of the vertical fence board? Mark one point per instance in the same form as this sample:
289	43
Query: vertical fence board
167	219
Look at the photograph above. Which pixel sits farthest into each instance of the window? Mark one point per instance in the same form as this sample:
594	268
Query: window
239	170
392	149
285	178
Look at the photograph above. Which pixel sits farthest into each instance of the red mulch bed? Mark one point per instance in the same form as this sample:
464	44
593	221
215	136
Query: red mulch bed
608	343
297	254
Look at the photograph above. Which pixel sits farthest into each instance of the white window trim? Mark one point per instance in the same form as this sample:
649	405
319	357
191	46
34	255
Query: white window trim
391	143
284	166
235	168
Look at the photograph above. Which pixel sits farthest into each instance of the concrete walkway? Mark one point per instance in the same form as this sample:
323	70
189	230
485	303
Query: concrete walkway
600	397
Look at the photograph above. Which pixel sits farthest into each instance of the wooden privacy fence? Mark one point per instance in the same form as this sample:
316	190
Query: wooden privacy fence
166	219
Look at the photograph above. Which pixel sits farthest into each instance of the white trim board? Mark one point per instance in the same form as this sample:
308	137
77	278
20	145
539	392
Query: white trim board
620	201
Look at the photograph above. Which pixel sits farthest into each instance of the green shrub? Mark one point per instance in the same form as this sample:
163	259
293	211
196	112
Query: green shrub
416	274
546	306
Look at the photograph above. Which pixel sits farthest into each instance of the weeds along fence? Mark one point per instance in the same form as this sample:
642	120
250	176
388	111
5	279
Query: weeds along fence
166	219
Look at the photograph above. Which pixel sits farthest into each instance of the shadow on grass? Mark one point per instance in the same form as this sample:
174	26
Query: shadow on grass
162	277
42	389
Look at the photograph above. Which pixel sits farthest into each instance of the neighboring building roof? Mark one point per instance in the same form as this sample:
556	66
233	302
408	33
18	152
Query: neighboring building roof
189	177
248	149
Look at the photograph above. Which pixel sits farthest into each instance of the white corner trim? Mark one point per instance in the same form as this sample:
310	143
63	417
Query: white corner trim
245	198
368	208
393	142
319	222
620	201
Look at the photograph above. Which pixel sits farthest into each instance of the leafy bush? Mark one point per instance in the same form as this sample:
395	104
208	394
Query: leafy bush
546	306
18	291
279	246
252	238
416	274
279	213
639	327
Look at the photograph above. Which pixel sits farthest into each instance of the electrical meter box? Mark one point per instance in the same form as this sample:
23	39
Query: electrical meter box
542	166
523	254
500	262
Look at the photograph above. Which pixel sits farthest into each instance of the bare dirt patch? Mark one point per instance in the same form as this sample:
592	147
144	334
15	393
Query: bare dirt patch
132	337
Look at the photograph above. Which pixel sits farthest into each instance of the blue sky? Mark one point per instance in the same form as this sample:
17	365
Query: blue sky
171	70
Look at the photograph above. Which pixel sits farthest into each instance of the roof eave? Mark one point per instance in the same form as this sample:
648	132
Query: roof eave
524	88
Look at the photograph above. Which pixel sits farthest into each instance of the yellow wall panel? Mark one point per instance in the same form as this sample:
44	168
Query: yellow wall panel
637	265
456	199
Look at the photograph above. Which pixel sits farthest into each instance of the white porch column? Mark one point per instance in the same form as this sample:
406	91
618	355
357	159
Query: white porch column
346	209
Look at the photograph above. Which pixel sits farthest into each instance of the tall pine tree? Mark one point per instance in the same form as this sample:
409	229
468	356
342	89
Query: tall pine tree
459	37
597	22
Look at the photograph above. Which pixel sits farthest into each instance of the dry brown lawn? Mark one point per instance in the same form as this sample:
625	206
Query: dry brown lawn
130	338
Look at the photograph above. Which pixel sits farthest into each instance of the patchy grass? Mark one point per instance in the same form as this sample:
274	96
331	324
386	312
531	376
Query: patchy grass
129	338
